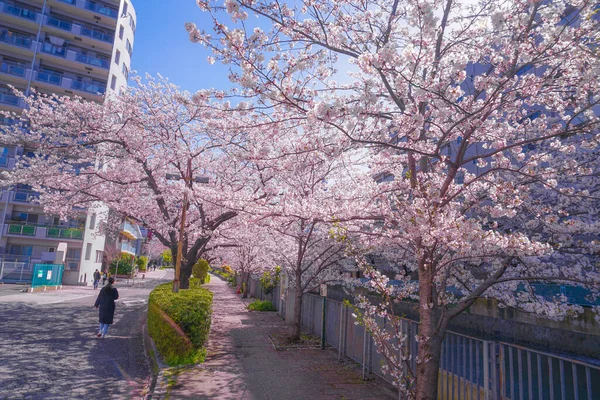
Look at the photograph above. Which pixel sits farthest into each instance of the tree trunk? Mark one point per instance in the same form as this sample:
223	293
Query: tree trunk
431	334
427	370
185	274
297	312
245	281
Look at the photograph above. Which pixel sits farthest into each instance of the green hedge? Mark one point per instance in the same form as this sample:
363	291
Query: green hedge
259	305
179	322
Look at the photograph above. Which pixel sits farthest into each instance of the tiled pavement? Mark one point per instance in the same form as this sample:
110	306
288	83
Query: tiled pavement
242	363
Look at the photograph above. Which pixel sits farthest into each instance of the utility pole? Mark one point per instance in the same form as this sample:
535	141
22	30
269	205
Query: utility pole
188	183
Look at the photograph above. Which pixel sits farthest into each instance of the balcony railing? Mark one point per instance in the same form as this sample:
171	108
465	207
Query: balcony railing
19	12
16	39
21	229
105	37
68	1
54	50
91	60
64	233
88	87
12	69
101	9
25	196
125	247
72	264
9	99
49	78
59	23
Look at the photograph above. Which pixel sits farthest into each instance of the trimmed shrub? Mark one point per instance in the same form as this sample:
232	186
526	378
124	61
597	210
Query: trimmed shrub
142	263
125	265
259	305
200	269
179	322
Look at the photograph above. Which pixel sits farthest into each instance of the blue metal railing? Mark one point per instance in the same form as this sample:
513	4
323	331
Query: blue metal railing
19	12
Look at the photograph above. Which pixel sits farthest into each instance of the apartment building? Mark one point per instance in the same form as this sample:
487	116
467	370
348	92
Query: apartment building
68	47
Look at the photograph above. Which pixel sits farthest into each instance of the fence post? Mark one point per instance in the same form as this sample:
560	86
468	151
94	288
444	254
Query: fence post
323	314
2	269
342	331
365	351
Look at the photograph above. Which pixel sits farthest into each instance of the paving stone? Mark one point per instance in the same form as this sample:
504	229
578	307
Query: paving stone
242	363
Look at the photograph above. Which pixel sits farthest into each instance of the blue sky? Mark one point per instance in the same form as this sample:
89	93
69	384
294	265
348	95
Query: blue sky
162	45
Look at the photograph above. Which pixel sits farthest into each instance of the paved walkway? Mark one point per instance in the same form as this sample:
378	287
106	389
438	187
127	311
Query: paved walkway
242	363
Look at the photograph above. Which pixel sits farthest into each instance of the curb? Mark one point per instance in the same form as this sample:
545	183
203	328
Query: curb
156	366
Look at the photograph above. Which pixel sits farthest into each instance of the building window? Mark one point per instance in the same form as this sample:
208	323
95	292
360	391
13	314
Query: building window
121	32
25	217
132	24
125	6
99	255
88	251
20	250
129	48
125	72
118	57
113	82
51	249
93	221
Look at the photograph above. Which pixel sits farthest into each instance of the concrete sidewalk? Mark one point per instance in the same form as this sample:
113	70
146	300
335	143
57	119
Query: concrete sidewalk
242	363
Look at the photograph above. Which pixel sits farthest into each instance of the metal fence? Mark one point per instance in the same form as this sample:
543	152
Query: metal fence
15	270
470	368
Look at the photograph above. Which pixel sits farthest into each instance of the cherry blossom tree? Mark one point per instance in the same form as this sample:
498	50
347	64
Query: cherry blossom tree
132	153
243	249
480	122
303	181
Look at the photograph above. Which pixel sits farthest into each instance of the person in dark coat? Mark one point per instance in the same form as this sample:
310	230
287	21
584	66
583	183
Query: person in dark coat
96	278
106	304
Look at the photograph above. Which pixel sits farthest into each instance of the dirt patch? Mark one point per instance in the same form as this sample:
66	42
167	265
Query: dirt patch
282	341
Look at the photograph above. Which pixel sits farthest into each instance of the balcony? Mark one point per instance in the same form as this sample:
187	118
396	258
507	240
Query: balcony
48	78
7	162
10	99
92	60
59	23
25	196
101	9
64	233
127	248
94	34
130	231
19	12
16	39
13	69
94	88
21	229
57	51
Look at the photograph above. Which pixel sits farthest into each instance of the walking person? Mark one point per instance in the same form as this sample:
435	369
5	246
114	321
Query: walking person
104	277
106	304
96	278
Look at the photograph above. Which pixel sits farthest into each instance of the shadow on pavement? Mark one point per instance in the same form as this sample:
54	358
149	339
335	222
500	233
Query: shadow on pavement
51	351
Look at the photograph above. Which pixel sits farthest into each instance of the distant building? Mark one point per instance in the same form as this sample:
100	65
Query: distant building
68	47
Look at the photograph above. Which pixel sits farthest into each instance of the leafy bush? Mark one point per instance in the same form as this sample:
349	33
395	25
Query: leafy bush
270	279
179	322
125	265
200	269
142	263
259	305
207	278
167	257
